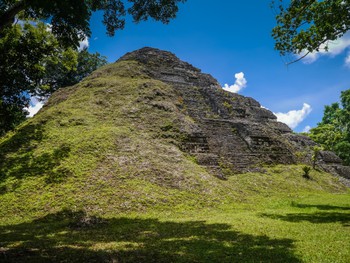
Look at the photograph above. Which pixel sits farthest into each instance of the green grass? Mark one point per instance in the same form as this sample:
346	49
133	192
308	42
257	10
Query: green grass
313	228
278	216
97	176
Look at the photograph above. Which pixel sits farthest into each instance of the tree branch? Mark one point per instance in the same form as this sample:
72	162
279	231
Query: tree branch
9	15
294	61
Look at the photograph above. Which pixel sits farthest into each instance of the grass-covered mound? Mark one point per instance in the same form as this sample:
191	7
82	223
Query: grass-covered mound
108	144
98	176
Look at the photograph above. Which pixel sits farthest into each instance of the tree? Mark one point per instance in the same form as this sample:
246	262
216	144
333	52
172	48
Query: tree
70	18
34	64
306	26
333	132
23	50
61	73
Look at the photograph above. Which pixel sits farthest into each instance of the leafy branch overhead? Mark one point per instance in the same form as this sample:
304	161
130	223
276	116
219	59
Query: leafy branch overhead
70	19
306	26
34	64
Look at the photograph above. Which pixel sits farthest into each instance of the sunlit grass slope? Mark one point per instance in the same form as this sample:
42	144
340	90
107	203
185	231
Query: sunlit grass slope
98	176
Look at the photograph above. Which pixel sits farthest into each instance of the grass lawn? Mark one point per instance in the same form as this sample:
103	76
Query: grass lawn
310	228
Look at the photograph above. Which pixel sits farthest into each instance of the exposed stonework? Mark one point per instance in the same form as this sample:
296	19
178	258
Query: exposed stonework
230	130
331	163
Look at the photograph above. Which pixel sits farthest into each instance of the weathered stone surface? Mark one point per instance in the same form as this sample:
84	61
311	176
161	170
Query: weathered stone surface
329	157
343	171
229	130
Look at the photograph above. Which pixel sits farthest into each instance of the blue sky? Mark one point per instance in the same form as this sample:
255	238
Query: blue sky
230	37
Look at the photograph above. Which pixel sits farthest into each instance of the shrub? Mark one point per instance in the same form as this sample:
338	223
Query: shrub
306	170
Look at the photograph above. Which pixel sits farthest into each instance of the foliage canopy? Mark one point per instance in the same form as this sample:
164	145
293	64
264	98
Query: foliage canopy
70	18
306	26
333	132
34	64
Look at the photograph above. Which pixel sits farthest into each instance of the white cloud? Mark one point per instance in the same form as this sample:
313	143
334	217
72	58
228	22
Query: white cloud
347	60
335	48
294	117
34	106
307	129
83	44
240	83
311	58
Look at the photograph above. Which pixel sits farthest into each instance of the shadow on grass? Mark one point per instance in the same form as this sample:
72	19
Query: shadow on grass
17	158
322	207
316	218
22	140
74	237
328	215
